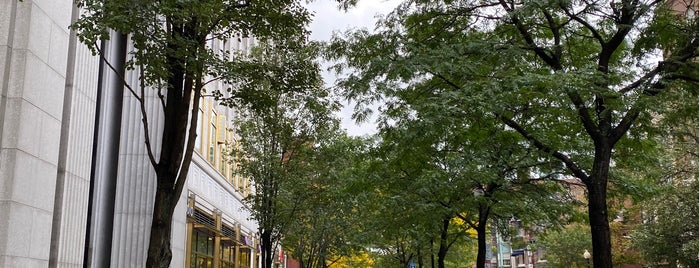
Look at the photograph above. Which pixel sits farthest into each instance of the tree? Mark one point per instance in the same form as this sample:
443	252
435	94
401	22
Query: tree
440	164
570	77
454	161
669	233
565	247
669	236
327	219
169	51
462	255
286	115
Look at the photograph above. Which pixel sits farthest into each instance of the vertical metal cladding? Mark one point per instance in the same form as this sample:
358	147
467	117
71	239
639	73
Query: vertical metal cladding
78	159
136	178
105	169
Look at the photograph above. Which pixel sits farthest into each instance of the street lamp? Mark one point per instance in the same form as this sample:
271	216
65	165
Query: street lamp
587	256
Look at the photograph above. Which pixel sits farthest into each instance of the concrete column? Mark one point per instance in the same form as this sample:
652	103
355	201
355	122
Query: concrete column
217	239
237	245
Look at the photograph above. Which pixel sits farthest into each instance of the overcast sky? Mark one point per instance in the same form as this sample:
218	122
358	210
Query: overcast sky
329	19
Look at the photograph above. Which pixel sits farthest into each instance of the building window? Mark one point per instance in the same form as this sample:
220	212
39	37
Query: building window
202	249
506	263
197	142
227	254
245	257
212	140
223	167
242	185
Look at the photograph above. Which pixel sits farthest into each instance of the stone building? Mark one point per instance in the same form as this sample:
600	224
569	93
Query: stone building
70	144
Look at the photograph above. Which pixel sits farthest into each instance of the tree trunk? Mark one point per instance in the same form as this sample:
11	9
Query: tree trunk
178	136
159	252
432	253
483	213
419	258
267	254
323	261
597	207
443	244
405	260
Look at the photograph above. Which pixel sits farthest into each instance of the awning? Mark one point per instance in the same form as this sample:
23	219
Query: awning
517	252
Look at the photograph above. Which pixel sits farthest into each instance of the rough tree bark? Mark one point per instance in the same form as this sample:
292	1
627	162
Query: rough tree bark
177	142
483	214
443	243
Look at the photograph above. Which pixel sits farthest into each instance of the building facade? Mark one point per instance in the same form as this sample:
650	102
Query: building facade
70	143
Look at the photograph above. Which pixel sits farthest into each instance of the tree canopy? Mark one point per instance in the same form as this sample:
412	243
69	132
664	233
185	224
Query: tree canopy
579	81
281	123
669	232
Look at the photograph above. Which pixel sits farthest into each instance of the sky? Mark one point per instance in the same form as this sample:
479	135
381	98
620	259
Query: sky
329	19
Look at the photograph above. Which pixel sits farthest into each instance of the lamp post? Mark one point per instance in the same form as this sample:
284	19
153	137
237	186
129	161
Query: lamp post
587	256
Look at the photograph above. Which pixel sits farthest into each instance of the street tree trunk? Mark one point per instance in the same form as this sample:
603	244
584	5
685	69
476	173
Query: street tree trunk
419	258
443	243
180	108
604	137
483	213
267	254
159	252
597	207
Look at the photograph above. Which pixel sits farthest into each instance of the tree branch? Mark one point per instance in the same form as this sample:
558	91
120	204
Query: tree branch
554	63
625	124
191	139
228	10
570	164
161	97
595	34
555	30
141	100
144	120
584	114
445	80
648	76
121	77
624	25
466	220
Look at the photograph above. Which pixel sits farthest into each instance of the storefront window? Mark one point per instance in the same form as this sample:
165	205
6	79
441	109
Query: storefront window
227	254
245	258
202	249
